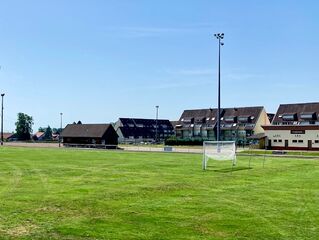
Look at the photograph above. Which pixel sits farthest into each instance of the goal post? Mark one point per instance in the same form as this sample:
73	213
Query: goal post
220	151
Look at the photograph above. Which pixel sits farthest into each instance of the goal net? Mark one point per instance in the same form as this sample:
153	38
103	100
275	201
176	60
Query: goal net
221	151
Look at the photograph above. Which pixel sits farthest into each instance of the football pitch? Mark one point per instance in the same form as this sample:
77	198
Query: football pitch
89	194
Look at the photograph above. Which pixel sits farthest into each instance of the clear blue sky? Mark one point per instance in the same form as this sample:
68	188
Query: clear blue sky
96	61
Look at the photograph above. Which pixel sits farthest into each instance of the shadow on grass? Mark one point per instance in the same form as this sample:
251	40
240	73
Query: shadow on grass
226	170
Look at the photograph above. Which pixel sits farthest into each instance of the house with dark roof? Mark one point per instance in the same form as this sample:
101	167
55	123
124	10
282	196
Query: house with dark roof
137	130
38	136
9	137
96	134
237	123
294	127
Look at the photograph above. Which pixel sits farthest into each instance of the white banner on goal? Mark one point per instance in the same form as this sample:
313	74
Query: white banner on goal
221	151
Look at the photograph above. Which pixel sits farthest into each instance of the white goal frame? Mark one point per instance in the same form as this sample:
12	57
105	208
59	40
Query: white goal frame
220	152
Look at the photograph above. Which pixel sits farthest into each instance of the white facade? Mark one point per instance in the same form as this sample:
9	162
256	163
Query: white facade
292	138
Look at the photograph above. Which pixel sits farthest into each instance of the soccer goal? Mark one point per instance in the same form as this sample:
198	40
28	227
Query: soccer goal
220	151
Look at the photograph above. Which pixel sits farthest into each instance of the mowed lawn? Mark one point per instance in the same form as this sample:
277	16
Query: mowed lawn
88	194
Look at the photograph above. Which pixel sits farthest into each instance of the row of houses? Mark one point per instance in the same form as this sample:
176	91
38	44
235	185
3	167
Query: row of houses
294	126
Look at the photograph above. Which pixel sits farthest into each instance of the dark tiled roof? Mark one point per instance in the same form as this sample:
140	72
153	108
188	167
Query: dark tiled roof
270	116
146	128
243	112
174	123
229	115
199	115
85	130
296	108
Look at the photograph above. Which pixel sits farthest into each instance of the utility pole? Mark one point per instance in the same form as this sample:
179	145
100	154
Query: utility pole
60	129
156	131
219	36
2	95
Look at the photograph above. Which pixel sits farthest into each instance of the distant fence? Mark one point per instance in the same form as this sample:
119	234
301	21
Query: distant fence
98	146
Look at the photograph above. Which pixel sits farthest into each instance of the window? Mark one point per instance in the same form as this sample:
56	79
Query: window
307	116
280	140
243	119
294	141
300	141
316	141
275	140
289	117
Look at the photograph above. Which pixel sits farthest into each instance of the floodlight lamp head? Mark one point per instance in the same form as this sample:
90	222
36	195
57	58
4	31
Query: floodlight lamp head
2	94
222	43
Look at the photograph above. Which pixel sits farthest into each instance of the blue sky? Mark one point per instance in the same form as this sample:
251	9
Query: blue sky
96	61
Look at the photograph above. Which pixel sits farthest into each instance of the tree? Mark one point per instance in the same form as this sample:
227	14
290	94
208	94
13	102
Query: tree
24	126
48	133
41	129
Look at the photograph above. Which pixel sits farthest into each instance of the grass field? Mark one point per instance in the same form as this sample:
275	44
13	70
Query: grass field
80	194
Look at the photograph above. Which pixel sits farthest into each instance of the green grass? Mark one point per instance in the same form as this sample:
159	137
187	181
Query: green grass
292	153
80	194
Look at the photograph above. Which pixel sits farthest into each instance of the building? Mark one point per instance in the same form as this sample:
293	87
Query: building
197	123
294	127
38	136
237	124
137	130
9	137
88	134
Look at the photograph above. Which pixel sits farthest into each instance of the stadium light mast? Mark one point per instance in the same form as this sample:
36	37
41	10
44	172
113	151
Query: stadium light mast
60	129
219	37
156	123
2	95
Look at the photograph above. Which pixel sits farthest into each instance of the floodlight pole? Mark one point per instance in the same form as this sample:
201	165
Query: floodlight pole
156	124
2	95
60	129
219	36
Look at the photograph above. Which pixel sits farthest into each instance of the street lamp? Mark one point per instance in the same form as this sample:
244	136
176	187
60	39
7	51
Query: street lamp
156	123
2	95
219	36
60	129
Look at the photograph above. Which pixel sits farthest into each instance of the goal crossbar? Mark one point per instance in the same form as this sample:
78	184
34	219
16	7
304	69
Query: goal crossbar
220	151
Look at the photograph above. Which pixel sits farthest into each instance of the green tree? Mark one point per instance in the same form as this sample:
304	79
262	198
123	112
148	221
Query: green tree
41	129
24	126
48	133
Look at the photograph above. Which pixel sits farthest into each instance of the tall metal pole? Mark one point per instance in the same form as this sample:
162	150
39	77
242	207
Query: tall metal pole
156	124
219	36
2	95
60	129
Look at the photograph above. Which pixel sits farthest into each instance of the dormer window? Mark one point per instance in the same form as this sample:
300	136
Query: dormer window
308	116
289	117
244	119
230	119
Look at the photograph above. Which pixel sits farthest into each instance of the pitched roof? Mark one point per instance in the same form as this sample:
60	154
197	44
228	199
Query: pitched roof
85	130
296	108
8	135
200	115
209	116
244	112
144	127
38	134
